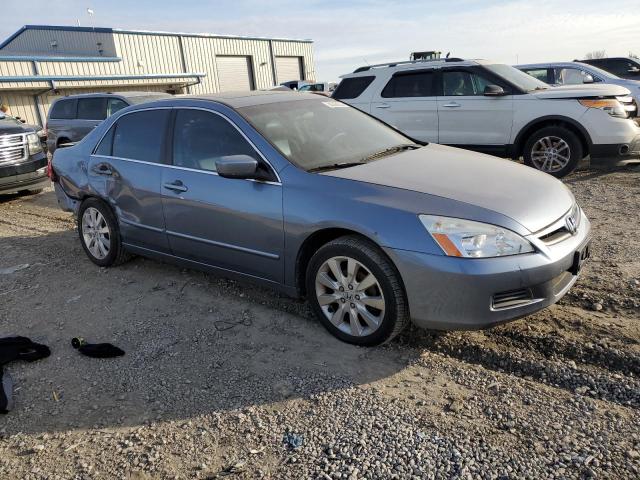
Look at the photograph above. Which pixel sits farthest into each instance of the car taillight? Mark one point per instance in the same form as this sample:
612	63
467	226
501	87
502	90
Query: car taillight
50	172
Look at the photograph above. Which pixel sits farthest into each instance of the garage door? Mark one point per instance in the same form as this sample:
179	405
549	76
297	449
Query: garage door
289	68
234	73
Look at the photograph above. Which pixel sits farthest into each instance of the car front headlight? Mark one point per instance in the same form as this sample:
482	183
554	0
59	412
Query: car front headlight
610	105
34	144
468	239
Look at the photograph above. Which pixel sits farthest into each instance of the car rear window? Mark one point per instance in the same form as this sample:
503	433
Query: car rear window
92	108
419	84
138	135
64	109
352	87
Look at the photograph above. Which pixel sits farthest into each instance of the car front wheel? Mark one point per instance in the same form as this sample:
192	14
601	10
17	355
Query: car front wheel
356	292
553	150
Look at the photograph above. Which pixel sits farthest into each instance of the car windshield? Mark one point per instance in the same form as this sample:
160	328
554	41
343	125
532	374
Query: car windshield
522	80
602	73
324	134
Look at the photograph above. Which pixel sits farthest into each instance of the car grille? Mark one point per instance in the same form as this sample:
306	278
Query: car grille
558	231
511	299
13	148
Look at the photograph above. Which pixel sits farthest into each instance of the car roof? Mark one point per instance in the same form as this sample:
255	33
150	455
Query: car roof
256	97
130	94
554	64
416	65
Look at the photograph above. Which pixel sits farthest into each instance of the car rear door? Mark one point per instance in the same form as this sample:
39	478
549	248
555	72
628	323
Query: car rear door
408	102
466	116
232	224
126	170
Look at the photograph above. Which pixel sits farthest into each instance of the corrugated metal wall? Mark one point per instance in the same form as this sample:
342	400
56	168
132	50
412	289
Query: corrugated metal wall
21	104
140	54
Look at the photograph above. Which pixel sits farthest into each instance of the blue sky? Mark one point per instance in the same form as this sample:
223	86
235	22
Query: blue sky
348	34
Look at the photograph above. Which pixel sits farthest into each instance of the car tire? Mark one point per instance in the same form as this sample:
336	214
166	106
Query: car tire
367	304
553	150
99	234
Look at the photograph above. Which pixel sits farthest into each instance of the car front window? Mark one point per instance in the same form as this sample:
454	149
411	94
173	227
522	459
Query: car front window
317	134
516	77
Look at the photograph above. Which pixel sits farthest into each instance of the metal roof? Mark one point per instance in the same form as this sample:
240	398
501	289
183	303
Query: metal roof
82	78
70	28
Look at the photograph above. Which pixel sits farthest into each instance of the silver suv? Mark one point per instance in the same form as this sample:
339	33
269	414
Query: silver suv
495	108
71	118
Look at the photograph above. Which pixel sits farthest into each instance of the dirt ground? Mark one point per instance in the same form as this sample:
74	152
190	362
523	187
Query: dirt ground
226	379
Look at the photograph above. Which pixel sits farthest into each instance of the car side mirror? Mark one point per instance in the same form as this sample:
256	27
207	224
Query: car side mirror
237	166
493	91
588	79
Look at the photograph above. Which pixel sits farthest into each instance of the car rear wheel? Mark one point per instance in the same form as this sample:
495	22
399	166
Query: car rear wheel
553	150
99	234
356	292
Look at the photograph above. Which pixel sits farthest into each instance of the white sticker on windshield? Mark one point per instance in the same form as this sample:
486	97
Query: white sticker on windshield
335	104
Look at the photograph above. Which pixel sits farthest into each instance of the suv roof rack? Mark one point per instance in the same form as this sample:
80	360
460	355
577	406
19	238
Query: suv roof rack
407	62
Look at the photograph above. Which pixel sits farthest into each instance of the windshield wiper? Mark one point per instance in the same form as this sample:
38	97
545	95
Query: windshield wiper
335	166
391	151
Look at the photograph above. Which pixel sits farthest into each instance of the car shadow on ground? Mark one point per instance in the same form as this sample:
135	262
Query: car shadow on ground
195	344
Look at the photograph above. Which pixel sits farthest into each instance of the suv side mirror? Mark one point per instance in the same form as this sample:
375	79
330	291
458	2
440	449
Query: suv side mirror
588	79
237	166
493	91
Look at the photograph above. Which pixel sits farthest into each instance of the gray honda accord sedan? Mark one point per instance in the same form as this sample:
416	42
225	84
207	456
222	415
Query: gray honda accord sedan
320	200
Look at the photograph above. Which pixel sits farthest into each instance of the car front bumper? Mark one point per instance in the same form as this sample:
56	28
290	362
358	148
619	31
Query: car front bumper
616	153
447	293
30	175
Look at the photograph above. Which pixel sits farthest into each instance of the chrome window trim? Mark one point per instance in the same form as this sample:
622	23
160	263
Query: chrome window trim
248	140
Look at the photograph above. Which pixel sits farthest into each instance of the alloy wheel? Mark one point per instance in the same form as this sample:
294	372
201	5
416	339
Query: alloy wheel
95	233
350	296
550	154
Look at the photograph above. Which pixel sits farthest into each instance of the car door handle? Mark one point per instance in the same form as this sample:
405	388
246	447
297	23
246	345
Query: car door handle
383	105
452	105
176	186
102	169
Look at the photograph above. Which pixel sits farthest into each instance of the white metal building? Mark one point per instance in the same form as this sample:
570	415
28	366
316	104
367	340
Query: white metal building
39	63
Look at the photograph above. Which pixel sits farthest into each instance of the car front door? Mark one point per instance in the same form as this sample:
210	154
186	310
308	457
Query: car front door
91	111
232	224
467	117
126	170
408	103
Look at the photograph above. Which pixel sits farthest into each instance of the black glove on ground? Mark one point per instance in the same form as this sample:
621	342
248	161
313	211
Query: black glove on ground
11	349
96	350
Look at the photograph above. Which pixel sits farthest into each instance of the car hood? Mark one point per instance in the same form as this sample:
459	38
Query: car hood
582	91
531	198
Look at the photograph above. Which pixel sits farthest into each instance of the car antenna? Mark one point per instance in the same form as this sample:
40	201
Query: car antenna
447	55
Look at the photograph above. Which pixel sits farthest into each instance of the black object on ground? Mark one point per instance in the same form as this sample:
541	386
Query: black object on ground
11	349
96	350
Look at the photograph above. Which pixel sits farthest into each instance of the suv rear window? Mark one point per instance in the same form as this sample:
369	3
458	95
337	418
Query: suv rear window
64	109
92	108
352	87
418	84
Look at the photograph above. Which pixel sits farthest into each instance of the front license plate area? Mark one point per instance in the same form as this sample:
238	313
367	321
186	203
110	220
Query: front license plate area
579	258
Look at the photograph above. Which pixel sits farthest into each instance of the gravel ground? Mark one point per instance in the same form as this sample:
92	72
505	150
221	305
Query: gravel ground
226	379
